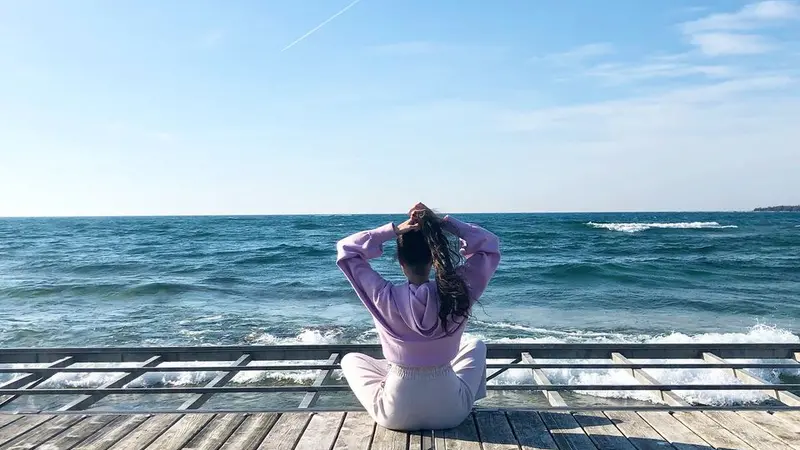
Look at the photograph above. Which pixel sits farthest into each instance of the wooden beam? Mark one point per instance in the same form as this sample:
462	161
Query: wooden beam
797	356
85	400
642	377
33	379
787	398
324	375
199	400
553	397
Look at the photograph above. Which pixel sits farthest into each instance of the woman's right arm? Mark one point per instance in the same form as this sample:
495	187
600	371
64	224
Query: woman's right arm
481	248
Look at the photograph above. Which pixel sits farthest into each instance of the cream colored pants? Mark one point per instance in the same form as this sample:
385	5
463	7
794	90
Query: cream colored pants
404	398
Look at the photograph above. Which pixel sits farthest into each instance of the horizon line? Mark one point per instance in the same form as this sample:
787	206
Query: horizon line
90	216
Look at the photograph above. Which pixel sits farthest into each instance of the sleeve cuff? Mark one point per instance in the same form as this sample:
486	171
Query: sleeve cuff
384	233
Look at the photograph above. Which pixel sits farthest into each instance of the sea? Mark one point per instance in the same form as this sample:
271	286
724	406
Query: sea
252	280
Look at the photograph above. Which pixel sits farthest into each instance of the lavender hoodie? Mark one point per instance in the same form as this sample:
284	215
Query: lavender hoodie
407	316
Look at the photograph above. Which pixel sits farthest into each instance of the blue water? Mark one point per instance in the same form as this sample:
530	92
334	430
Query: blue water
241	280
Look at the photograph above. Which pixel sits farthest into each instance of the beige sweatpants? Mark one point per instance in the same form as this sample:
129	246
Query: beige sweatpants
403	398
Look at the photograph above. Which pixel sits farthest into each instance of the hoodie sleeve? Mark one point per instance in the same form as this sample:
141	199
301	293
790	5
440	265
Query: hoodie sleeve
481	248
353	255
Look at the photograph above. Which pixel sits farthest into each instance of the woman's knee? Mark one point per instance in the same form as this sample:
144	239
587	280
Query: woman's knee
349	362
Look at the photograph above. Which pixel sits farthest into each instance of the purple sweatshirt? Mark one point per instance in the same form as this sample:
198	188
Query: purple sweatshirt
407	316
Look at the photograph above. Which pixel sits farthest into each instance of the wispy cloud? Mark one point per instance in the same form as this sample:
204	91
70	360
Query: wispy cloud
213	38
723	33
579	54
325	22
718	44
752	16
656	68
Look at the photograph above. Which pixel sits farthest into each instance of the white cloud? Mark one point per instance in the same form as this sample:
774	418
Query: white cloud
721	34
752	16
719	44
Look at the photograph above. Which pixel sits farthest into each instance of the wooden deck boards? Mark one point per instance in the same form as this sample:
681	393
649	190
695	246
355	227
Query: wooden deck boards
484	430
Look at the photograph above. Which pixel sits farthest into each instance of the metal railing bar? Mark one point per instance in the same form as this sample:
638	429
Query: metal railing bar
495	351
310	398
644	378
84	401
36	374
503	366
199	400
554	398
333	388
746	377
33	379
573	408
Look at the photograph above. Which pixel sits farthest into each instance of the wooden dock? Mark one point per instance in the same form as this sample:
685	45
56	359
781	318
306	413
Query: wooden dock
484	430
39	412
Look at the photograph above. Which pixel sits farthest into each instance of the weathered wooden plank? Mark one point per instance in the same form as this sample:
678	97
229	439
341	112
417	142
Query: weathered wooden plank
639	433
495	431
385	439
643	377
77	433
553	397
321	431
113	432
464	436
20	427
216	432
6	419
286	432
792	418
530	430
42	433
198	400
777	427
324	375
566	431
709	430
747	431
146	432
787	398
414	440
181	432
251	432
356	432
673	431
421	440
83	401
602	432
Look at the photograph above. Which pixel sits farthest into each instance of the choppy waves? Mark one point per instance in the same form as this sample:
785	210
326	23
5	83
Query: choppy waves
636	227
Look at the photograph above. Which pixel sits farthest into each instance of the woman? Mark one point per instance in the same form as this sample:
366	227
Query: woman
428	380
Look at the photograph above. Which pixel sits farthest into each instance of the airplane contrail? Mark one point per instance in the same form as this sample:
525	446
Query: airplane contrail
320	25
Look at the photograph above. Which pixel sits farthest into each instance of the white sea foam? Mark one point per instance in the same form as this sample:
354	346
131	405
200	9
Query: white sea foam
636	227
755	334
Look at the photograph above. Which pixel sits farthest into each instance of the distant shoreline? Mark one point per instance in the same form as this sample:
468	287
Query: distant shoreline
781	208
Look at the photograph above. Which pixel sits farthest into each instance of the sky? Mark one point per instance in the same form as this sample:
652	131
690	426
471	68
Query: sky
145	107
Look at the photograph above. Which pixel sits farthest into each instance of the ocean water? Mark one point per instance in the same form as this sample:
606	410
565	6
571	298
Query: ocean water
600	277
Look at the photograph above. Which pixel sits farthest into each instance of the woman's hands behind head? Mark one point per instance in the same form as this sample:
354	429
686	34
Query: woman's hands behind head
421	212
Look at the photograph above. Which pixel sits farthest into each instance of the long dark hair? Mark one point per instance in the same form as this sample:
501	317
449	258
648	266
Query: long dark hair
430	245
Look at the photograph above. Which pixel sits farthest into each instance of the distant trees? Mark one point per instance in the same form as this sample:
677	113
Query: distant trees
795	208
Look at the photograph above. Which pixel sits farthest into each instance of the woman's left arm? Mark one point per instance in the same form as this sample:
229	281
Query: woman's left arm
353	255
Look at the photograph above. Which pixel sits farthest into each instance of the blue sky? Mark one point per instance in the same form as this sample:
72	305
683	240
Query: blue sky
150	107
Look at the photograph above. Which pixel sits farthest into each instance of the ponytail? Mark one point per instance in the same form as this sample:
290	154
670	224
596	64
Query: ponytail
454	302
